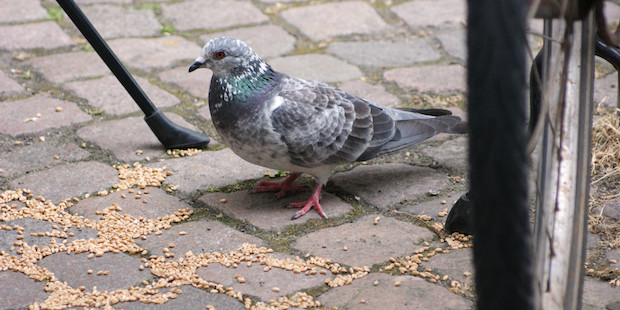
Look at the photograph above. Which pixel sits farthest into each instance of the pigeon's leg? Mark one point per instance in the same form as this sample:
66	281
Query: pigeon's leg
281	188
307	205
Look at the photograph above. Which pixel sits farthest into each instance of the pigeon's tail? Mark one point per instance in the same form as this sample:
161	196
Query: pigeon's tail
415	129
460	127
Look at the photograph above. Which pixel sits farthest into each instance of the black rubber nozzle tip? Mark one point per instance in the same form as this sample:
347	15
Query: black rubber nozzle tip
173	136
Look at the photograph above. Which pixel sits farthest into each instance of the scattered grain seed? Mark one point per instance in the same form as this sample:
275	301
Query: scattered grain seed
171	245
58	109
42	138
345	248
106	272
182	233
466	273
443	202
375	283
397	283
362	301
223	200
56	157
275	289
613	261
100	272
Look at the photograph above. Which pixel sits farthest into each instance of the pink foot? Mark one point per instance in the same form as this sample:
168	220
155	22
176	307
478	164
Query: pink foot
281	188
307	205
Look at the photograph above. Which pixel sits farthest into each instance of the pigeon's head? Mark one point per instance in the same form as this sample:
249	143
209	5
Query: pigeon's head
228	57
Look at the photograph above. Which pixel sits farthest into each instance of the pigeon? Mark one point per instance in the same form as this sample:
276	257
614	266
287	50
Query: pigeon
285	123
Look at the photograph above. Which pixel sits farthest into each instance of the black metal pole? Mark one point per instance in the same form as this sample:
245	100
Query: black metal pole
168	133
107	55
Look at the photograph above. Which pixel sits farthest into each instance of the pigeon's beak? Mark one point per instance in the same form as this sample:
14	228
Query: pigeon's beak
197	64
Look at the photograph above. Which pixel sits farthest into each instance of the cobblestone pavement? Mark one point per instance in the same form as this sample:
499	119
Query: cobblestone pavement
110	219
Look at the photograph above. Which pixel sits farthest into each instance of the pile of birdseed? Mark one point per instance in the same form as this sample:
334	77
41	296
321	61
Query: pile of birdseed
606	146
117	232
136	174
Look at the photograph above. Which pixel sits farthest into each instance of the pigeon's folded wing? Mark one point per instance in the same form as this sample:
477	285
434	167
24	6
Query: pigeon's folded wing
321	124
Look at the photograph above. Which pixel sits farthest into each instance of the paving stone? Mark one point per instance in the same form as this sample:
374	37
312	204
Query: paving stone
384	53
413	293
267	41
113	21
453	264
606	90
158	204
611	12
597	294
210	169
8	85
196	84
73	268
374	93
60	68
7	238
190	298
16	112
366	243
103	1
205	113
612	209
388	184
318	67
434	78
433	206
591	240
124	136
46	35
323	21
156	53
190	15
29	292
454	43
66	181
451	154
432	13
265	211
203	236
108	94
260	283
37	156
21	11
282	1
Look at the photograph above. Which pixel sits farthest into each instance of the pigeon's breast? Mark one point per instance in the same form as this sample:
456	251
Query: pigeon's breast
254	140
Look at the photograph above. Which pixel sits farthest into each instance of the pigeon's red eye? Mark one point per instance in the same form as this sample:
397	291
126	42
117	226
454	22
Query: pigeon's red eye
220	55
